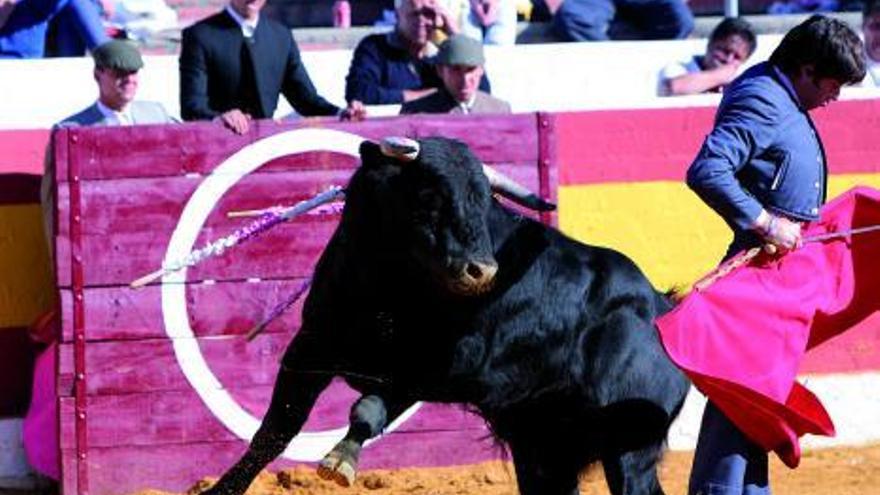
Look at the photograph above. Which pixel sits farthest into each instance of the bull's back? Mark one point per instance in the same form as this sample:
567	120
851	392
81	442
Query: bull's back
594	310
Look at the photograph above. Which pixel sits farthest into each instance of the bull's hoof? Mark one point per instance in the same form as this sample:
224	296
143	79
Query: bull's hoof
340	465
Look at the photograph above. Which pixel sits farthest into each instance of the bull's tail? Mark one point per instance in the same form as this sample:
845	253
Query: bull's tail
665	301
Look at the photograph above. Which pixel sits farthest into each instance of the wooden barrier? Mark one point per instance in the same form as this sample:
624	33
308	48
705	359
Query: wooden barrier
133	407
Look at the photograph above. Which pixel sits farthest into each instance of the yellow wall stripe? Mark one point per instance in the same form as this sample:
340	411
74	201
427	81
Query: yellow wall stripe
26	287
672	235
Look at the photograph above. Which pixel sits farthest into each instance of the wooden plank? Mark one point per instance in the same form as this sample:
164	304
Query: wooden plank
155	204
177	467
282	252
224	308
492	138
116	152
120	246
178	417
151	365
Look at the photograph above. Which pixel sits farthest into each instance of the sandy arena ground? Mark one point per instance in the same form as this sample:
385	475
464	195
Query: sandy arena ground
848	471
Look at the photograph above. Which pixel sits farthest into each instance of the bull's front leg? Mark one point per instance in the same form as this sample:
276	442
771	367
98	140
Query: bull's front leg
369	416
292	399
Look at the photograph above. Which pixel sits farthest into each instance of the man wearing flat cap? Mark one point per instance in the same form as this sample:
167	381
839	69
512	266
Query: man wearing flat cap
459	63
117	63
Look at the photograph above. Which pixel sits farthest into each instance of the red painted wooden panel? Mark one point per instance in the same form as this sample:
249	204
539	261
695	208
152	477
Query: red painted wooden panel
155	204
197	148
177	467
140	409
180	417
150	365
127	225
119	313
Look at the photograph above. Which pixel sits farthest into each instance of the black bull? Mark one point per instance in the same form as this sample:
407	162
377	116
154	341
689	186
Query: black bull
430	290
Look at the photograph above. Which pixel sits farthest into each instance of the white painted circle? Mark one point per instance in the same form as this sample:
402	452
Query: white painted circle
307	446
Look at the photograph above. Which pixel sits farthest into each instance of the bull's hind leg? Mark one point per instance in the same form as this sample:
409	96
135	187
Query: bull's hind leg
541	473
292	399
633	472
369	416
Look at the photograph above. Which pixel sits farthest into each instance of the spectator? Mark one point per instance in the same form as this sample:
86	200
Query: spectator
117	64
590	20
781	7
23	32
141	19
63	36
871	32
460	65
235	64
492	21
731	43
393	67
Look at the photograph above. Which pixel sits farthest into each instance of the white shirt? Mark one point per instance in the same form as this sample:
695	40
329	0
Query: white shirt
466	106
676	69
116	118
872	79
247	26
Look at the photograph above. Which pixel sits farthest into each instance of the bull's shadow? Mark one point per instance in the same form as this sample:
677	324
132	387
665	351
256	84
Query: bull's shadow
431	290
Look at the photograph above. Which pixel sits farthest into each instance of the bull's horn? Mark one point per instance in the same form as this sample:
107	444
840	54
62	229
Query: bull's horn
402	148
515	192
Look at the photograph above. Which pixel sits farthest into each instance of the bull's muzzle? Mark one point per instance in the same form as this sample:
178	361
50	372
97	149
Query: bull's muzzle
474	278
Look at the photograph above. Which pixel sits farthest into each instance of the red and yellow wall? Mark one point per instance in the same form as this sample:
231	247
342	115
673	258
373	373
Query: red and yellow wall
621	181
620	185
26	288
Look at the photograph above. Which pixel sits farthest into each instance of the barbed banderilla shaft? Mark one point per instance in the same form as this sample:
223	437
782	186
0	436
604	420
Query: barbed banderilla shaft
255	228
844	233
746	256
278	310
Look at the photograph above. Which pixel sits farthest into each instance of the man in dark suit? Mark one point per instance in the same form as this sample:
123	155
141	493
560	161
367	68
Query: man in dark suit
234	64
459	63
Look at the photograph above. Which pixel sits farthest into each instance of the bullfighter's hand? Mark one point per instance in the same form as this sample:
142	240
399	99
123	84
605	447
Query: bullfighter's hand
779	232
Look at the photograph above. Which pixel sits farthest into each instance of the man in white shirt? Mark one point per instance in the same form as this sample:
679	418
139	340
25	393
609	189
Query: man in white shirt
871	32
731	43
235	64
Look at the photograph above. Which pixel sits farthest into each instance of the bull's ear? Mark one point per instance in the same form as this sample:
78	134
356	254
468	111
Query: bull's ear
371	153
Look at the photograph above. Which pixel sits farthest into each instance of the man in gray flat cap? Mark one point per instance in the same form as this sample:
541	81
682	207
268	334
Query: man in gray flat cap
117	63
460	65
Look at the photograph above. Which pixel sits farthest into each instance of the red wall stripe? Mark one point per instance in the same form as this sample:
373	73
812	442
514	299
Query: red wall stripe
659	144
23	151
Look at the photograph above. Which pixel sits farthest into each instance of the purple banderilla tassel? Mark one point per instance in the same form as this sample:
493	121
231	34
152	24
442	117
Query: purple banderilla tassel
258	226
279	309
